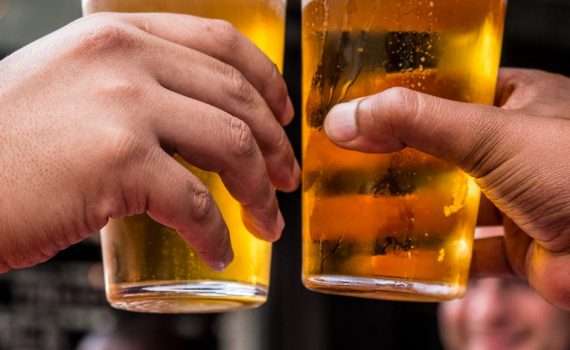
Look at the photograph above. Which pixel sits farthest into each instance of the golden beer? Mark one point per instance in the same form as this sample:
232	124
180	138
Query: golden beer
148	267
397	226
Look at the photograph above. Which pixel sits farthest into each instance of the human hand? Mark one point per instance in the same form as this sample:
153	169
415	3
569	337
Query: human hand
518	152
91	115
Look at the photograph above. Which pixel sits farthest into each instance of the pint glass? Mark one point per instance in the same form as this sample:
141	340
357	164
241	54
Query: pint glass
148	267
395	226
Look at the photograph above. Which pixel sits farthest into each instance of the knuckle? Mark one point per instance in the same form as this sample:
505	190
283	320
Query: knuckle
225	33
267	195
202	203
282	148
239	88
390	109
402	101
121	147
126	158
93	221
122	89
104	36
404	106
243	144
388	118
529	79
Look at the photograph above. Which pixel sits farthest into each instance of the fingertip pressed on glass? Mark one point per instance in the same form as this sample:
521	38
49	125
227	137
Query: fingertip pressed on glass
148	267
395	226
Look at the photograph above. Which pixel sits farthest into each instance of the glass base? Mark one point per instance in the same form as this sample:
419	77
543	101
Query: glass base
185	296
383	288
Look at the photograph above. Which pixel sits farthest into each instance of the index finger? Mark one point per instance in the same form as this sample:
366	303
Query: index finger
534	92
221	40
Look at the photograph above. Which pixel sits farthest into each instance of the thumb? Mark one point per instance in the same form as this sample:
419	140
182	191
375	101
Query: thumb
471	136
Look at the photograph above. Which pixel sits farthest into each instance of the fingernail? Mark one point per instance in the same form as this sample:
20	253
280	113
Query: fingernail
296	175
228	256
219	266
289	112
225	261
280	223
340	123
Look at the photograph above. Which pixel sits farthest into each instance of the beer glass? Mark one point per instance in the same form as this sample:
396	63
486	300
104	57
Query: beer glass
148	267
395	226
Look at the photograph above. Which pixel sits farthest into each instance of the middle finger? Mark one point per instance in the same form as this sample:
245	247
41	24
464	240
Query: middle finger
201	77
215	141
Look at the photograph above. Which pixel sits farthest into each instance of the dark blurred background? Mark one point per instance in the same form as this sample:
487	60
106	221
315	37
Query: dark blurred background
60	304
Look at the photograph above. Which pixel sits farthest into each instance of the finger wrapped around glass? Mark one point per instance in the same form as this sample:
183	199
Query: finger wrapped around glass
149	267
395	226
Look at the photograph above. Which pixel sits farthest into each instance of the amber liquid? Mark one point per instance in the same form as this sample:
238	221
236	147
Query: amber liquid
148	267
397	226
